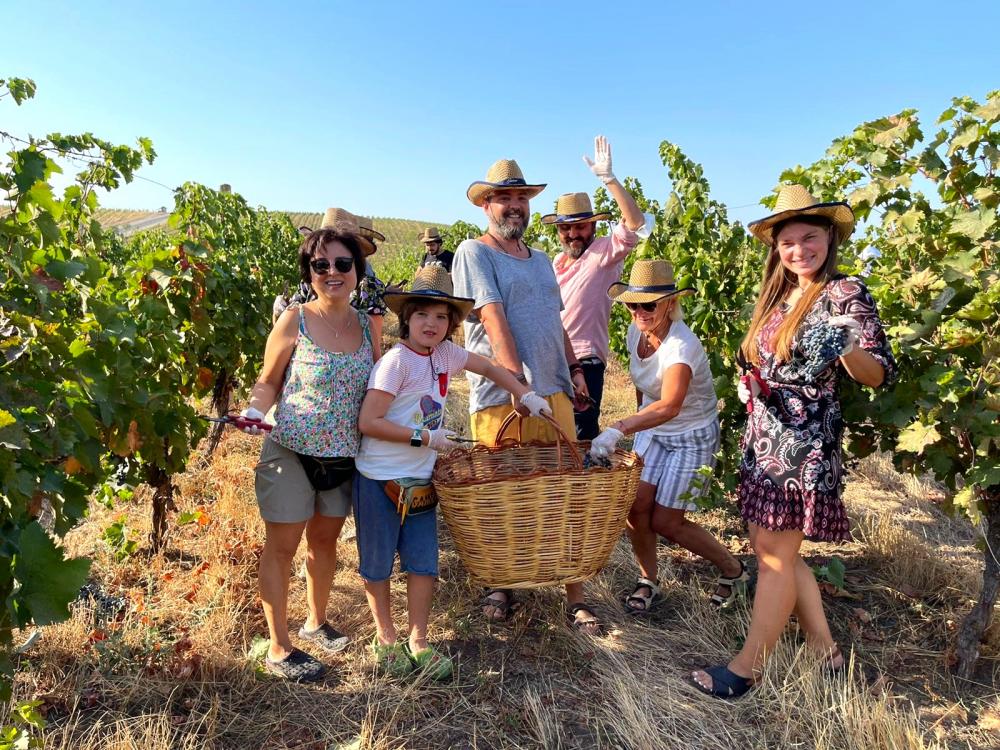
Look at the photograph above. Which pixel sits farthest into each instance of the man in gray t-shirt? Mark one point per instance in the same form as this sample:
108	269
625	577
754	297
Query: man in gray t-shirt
516	323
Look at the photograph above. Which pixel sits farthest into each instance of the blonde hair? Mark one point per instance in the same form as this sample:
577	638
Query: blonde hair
677	312
777	283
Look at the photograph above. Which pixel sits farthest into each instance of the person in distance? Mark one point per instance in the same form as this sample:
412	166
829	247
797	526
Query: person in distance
433	253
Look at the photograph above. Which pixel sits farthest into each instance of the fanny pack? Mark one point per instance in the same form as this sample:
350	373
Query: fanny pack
327	473
411	496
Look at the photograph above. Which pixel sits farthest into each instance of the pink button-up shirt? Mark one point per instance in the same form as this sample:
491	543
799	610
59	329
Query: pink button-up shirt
584	285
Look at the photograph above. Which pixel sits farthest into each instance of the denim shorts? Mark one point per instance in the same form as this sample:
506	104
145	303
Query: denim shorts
381	536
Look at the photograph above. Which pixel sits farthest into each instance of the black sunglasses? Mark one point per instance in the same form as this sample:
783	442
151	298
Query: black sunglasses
644	306
322	265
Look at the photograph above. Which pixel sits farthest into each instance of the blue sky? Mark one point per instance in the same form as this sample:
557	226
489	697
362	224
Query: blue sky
392	109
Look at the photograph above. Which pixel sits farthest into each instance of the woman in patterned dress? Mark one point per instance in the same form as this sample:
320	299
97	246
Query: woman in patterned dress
316	366
791	476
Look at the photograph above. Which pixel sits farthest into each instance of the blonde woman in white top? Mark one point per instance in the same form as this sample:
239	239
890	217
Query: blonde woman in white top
676	428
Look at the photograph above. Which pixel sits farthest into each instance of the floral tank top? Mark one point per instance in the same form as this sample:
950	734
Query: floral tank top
317	412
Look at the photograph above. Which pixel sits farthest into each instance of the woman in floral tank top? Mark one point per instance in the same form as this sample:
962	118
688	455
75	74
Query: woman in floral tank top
316	367
810	327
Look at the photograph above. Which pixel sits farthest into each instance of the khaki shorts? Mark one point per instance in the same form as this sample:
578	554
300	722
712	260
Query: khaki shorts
486	422
285	494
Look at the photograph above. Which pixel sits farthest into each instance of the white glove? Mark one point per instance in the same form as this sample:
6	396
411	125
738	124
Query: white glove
601	166
604	444
535	404
254	415
853	329
742	391
441	440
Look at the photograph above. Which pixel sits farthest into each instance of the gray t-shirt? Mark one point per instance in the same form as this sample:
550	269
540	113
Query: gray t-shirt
528	290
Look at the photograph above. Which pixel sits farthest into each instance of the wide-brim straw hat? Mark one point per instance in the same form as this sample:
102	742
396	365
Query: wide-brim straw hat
430	284
343	220
502	175
795	200
649	281
574	208
431	235
367	227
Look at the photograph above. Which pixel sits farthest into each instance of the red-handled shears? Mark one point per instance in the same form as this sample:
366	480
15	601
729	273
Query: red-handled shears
239	422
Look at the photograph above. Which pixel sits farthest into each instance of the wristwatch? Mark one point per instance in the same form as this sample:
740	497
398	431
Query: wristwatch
417	438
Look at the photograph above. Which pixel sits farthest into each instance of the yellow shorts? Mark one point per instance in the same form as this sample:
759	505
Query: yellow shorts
486	422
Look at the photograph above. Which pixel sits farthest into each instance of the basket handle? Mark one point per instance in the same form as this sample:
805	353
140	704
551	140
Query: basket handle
561	438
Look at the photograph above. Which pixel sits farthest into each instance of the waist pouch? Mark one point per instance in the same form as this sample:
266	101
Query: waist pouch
411	496
327	473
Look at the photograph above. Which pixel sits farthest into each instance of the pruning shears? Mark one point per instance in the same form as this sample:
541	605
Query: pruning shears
239	422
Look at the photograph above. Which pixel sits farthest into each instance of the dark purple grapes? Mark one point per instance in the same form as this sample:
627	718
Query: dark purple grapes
821	345
595	462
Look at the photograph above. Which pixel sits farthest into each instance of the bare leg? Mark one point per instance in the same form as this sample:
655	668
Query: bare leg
640	530
777	559
377	593
419	593
321	564
679	529
280	542
812	618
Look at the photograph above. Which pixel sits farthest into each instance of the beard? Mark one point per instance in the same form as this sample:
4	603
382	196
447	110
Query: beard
511	225
575	246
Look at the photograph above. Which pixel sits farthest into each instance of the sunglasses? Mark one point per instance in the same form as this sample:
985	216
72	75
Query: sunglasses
322	265
644	306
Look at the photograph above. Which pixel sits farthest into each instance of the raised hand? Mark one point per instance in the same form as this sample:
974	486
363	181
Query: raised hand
601	165
851	327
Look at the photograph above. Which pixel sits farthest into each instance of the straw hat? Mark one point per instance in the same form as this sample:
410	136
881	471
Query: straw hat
367	228
574	208
503	175
650	280
430	235
343	220
795	200
431	284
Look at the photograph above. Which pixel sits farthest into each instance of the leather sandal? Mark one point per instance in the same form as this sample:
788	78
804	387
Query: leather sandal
736	585
637	603
590	626
505	607
725	682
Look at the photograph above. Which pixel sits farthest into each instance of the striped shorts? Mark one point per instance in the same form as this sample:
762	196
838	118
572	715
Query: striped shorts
670	463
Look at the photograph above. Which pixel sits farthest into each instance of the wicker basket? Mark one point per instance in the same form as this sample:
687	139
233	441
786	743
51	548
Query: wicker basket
529	515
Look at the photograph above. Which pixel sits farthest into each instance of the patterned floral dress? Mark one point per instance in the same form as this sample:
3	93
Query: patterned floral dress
791	475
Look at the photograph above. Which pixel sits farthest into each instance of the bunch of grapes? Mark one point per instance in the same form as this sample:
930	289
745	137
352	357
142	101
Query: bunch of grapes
595	462
821	344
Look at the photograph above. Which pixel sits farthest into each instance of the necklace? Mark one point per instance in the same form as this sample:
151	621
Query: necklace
343	328
502	249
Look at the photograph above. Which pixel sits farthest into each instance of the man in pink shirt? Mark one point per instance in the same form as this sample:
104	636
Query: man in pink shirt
585	268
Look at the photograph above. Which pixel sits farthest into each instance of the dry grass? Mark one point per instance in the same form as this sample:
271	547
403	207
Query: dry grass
173	671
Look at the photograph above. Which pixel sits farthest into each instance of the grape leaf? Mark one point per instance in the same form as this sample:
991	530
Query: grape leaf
49	582
917	436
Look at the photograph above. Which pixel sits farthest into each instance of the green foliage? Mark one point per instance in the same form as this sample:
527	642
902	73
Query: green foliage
119	538
457	233
934	275
832	572
25	723
105	341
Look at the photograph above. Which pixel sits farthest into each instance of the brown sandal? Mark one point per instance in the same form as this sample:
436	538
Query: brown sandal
585	625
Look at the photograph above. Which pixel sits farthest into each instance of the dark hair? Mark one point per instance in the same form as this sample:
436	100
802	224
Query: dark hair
322	237
413	305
